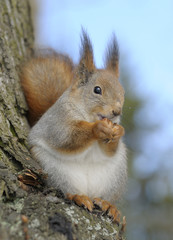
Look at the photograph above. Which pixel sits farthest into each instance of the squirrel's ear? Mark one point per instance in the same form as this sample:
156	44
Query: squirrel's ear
86	65
112	56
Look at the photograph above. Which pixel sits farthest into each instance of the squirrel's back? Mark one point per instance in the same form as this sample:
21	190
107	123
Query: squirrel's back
44	79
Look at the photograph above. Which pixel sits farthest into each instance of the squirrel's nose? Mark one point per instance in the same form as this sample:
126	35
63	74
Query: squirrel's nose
116	113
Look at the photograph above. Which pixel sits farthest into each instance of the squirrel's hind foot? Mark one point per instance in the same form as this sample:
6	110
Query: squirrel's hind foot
81	200
108	208
87	203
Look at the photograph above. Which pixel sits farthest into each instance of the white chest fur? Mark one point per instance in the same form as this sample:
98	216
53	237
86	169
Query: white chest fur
90	173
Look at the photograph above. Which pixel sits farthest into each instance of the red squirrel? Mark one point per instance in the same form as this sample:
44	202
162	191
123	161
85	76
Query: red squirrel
76	137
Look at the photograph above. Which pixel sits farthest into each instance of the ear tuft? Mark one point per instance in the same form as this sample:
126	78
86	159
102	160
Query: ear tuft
86	65
112	56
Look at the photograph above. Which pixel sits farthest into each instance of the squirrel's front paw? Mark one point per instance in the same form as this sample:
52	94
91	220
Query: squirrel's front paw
103	129
118	131
107	131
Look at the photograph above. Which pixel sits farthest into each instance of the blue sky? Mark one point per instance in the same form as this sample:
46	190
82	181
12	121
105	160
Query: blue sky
144	30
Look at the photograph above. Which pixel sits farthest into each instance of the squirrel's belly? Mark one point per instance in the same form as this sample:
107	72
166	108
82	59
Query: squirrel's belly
94	174
93	181
90	173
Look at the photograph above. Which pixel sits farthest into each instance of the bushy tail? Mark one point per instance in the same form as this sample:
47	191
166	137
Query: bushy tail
44	79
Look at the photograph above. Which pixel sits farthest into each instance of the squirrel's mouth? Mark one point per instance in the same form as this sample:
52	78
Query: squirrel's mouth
100	116
114	119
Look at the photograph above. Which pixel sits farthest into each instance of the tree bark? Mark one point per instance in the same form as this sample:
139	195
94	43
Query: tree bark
40	212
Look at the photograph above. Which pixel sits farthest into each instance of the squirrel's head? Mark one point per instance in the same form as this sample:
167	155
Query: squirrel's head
99	89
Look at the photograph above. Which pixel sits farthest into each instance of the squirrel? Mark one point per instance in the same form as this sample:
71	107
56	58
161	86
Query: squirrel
75	113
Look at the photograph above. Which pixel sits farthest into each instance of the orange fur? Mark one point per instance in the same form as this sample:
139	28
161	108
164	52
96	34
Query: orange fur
110	146
44	79
81	138
85	133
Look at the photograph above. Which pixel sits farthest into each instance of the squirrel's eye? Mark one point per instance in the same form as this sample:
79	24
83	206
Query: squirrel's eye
98	90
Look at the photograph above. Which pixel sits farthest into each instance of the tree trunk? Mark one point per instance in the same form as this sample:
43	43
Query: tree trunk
38	212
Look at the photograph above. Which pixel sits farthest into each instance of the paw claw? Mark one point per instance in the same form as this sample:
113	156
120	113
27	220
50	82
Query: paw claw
109	208
123	225
81	200
114	214
104	205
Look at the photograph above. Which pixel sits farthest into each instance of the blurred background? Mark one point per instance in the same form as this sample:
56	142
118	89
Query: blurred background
144	30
